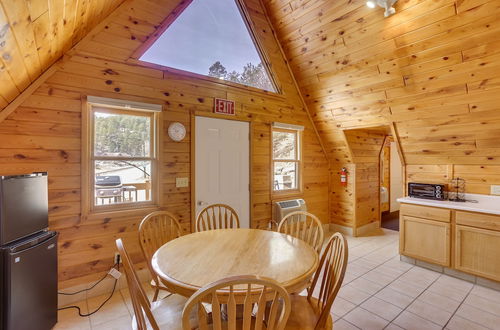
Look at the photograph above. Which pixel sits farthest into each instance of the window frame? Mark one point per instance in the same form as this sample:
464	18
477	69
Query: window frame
265	60
298	159
89	158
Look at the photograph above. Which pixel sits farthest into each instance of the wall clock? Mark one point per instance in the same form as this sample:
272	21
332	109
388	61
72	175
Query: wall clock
177	131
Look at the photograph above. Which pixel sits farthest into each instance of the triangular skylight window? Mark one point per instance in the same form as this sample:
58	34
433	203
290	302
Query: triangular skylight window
211	38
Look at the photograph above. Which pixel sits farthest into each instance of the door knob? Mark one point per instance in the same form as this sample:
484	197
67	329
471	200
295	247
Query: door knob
201	203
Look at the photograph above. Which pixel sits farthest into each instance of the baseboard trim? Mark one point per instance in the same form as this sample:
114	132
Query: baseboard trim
453	273
341	229
368	228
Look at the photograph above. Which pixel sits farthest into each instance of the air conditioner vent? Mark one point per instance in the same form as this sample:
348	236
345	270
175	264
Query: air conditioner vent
282	208
289	204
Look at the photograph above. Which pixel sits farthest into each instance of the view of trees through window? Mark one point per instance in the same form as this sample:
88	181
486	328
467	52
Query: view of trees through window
285	160
122	157
252	75
121	135
216	29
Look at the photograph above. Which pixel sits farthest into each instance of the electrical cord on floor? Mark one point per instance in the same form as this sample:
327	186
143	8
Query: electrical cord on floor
103	303
90	288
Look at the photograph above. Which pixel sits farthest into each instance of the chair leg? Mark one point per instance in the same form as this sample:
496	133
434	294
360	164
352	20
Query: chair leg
157	292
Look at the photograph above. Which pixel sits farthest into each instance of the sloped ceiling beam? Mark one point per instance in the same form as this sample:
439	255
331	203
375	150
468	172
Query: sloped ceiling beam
35	34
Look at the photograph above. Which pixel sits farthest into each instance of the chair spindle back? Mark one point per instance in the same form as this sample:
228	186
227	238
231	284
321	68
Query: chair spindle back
252	292
217	216
140	302
304	226
332	266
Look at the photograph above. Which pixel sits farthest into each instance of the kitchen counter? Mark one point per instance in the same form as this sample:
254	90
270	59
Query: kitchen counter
474	203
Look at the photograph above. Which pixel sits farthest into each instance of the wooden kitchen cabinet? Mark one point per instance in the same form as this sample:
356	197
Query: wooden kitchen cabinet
426	212
479	220
474	246
477	251
425	239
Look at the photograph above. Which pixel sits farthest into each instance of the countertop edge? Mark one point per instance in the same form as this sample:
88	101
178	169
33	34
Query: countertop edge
447	205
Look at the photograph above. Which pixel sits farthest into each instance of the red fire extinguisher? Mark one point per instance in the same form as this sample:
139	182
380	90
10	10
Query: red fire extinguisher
343	176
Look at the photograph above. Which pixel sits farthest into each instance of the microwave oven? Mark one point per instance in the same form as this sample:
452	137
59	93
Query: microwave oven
426	190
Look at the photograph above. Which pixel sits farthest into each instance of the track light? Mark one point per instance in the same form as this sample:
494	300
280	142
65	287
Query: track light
386	4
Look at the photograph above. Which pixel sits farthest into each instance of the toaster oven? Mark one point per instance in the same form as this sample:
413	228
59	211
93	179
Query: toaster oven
426	190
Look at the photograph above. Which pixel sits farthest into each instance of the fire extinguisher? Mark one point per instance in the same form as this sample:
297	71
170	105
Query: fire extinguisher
343	176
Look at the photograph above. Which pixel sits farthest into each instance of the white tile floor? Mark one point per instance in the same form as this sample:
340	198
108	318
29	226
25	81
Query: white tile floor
379	292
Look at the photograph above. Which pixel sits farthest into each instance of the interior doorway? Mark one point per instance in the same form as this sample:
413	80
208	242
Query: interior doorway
391	184
377	175
222	165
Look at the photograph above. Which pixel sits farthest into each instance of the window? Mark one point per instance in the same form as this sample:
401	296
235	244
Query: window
122	156
286	162
212	38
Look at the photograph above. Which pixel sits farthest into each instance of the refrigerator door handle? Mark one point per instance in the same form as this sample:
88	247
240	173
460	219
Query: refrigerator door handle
31	245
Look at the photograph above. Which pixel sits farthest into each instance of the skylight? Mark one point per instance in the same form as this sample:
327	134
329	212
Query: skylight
211	38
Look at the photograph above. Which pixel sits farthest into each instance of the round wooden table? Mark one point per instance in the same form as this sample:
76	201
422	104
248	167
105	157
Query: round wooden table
190	262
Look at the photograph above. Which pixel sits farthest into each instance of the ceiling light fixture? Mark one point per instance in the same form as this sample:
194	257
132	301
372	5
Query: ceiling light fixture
386	4
371	4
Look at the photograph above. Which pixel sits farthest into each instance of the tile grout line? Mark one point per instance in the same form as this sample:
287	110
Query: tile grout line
405	309
363	274
373	295
397	278
362	257
461	303
348	323
491	301
368	241
117	292
381	264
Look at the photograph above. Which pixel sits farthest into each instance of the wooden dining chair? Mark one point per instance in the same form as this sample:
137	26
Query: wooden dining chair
310	313
162	314
156	229
304	226
263	304
217	216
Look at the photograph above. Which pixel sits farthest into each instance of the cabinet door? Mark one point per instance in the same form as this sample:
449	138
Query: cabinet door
426	240
477	251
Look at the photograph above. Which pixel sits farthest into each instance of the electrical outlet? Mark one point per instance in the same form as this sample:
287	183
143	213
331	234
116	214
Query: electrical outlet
117	258
495	189
181	182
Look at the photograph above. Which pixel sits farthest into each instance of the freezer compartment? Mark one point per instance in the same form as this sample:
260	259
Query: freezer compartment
29	288
23	206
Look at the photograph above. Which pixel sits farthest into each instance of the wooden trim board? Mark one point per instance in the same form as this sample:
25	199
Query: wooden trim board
28	91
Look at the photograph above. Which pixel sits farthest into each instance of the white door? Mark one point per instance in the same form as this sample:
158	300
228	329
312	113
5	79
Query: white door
222	165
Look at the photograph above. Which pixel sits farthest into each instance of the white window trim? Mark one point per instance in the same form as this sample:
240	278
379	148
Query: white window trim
123	104
87	161
299	177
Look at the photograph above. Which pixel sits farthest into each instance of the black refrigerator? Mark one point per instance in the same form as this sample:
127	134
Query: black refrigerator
28	255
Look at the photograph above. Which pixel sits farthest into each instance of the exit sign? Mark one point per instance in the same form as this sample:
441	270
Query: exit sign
225	107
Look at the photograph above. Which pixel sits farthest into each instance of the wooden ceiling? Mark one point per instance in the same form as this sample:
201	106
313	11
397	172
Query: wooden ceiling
35	33
433	69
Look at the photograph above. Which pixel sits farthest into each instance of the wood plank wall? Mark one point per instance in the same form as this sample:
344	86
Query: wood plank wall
44	133
385	171
478	178
35	34
432	69
365	146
